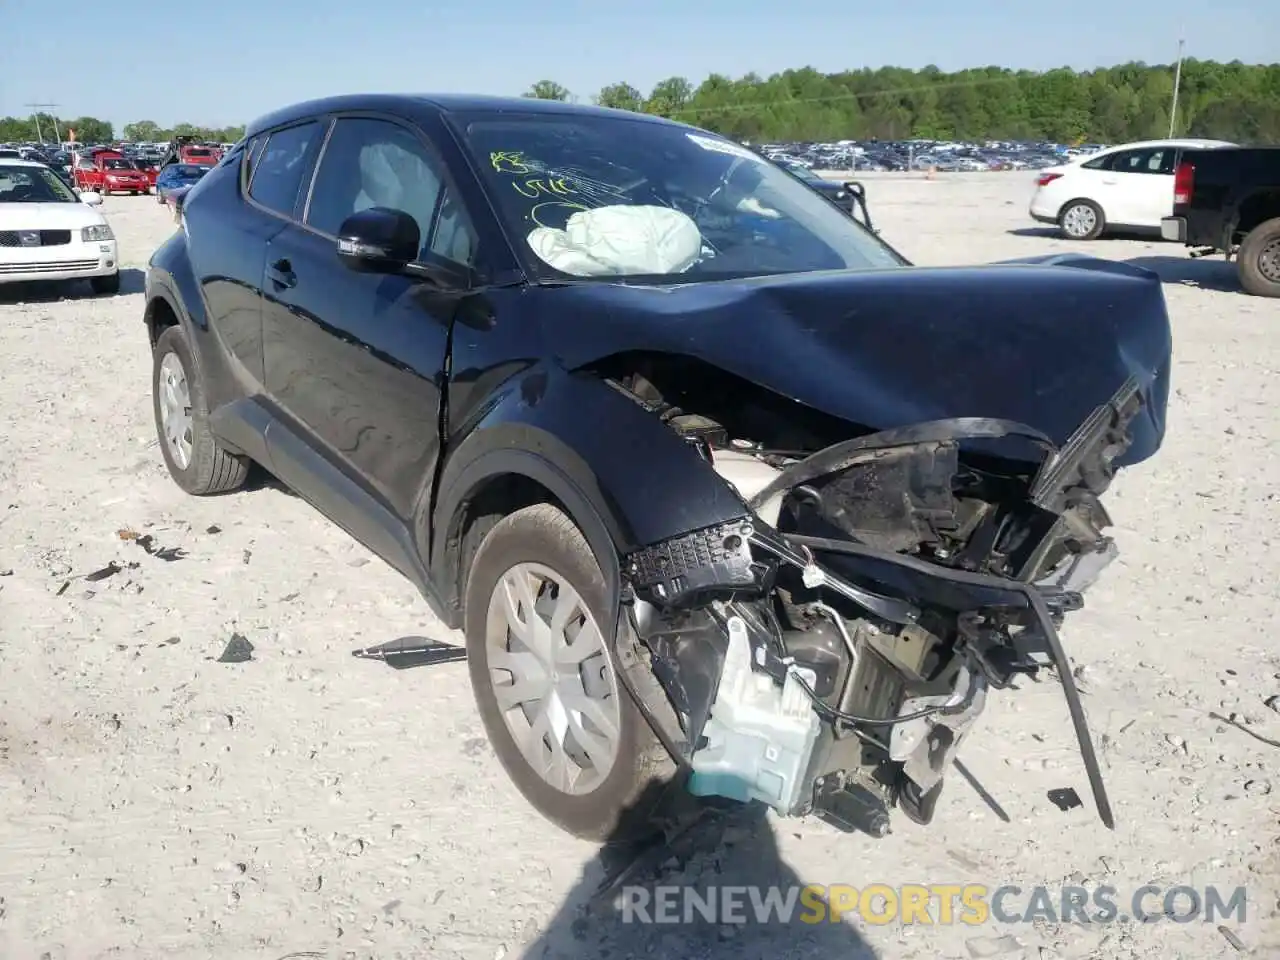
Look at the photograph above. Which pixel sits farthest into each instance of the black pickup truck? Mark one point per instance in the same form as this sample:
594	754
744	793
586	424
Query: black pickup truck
1228	201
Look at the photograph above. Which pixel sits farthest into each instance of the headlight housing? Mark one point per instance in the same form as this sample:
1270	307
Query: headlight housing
99	231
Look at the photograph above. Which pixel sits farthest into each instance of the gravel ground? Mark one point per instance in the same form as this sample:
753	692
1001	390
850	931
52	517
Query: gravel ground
155	802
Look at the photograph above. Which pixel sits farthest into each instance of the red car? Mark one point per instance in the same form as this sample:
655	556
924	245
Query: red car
107	171
198	155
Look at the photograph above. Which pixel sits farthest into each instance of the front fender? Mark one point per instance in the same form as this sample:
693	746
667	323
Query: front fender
171	275
648	482
627	479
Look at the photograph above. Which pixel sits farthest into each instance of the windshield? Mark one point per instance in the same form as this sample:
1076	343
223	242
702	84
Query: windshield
601	196
189	171
197	152
116	163
32	185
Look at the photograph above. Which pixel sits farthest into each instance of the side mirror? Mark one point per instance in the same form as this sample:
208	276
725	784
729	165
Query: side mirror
856	188
379	240
90	198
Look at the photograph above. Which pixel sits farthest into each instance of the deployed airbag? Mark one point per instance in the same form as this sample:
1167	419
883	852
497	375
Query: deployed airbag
620	240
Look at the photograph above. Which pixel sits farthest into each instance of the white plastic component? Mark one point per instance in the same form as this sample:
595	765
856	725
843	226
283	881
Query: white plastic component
749	475
620	239
760	736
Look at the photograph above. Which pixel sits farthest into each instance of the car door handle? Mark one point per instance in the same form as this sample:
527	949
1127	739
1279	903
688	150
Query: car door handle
281	274
1110	181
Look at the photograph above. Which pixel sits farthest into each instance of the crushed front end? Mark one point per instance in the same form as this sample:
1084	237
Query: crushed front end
828	653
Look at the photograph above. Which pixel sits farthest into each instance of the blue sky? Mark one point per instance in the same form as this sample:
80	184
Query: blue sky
222	62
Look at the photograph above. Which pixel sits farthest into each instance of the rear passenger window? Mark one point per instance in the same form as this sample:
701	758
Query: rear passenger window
278	168
1100	163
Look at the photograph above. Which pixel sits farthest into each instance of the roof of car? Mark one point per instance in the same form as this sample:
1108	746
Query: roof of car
19	162
414	103
1165	142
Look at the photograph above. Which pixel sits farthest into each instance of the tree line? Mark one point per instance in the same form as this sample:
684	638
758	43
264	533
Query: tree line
1132	101
49	128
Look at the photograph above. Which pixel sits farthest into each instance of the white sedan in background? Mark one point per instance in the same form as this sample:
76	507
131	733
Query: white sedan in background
1128	187
48	233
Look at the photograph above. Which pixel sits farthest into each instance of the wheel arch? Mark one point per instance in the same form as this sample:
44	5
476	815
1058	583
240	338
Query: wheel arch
1257	208
499	482
1081	199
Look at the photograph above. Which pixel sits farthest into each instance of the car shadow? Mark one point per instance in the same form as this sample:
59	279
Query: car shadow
1053	233
666	898
132	280
260	478
1215	274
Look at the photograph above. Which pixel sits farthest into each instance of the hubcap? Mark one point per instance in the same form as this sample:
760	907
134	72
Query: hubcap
553	682
1079	220
175	409
1269	261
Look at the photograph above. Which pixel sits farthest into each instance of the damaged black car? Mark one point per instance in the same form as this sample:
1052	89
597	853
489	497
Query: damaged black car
724	493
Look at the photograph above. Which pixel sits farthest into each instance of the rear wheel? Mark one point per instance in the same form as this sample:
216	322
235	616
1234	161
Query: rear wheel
196	461
1258	260
1081	220
565	730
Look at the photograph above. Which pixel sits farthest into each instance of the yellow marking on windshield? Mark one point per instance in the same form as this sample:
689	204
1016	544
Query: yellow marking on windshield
534	216
538	187
508	161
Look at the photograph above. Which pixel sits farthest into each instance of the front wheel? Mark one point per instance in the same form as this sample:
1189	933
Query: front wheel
1258	260
196	461
564	729
1081	220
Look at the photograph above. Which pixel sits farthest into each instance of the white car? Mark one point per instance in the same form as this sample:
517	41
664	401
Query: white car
48	233
1127	187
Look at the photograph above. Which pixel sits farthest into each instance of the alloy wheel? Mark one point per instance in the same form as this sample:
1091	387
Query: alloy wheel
1079	220
552	680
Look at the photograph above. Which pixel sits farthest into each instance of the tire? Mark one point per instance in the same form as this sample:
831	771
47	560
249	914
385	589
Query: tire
1258	260
106	286
1081	220
208	467
607	808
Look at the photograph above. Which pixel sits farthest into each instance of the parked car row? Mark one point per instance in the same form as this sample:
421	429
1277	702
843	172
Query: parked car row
946	156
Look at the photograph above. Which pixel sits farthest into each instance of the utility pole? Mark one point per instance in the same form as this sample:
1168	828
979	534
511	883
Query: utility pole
36	108
1177	82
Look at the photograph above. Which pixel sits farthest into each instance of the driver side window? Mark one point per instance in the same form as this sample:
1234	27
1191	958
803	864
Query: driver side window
377	163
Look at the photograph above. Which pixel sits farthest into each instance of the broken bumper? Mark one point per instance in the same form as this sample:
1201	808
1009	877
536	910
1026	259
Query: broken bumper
768	709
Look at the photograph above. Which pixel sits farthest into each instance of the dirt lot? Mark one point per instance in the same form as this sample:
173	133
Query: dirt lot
156	803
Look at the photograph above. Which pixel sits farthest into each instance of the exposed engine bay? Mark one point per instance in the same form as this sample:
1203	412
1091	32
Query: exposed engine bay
828	653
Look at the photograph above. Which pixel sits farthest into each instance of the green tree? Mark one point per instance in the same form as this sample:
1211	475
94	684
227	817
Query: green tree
146	131
669	97
1129	101
90	130
620	96
547	90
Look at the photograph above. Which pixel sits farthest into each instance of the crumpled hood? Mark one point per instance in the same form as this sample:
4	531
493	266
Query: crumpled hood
1043	341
